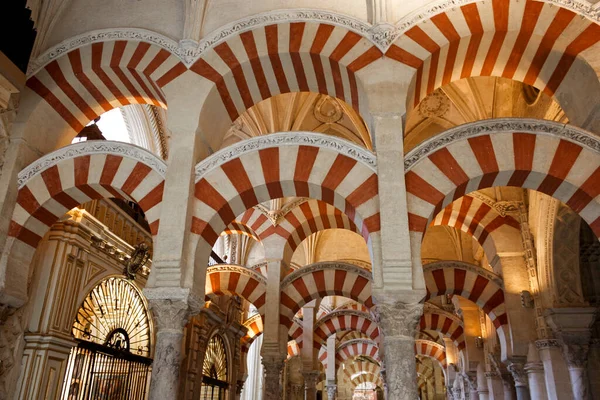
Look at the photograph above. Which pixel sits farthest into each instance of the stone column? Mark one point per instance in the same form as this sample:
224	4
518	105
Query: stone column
556	376
397	323
573	327
517	370
273	363
330	373
310	384
508	386
576	353
535	376
494	383
482	387
171	308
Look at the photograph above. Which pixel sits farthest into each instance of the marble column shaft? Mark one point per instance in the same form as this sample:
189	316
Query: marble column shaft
537	384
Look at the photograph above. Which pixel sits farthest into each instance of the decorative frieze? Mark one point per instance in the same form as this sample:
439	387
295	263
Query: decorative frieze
87	148
501	125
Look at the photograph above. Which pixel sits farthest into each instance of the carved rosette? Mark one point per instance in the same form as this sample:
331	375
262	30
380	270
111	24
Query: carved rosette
517	370
398	319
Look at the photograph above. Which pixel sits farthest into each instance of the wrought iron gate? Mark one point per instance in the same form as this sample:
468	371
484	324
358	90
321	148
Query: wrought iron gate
101	373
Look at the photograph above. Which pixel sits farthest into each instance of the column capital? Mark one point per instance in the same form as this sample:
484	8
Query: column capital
573	327
397	318
172	307
517	370
547	344
310	379
331	391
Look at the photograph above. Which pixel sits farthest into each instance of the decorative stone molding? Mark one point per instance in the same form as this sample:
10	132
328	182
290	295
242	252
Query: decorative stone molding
421	15
382	35
105	35
87	148
322	266
189	51
462	265
502	125
398	319
239	269
534	367
275	216
547	344
328	142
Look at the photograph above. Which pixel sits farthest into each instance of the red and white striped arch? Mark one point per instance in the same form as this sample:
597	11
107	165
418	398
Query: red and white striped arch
482	287
446	324
358	367
322	279
254	326
236	179
346	320
471	215
240	228
288	57
76	174
529	41
367	378
554	159
299	223
423	369
433	350
93	79
357	347
238	281
293	349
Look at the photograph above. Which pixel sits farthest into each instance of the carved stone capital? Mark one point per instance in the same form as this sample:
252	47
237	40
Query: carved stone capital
492	375
310	379
517	370
573	327
239	387
576	350
398	319
172	307
331	392
471	380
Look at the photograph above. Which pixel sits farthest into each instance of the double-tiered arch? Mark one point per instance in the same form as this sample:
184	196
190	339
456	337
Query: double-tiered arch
66	178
